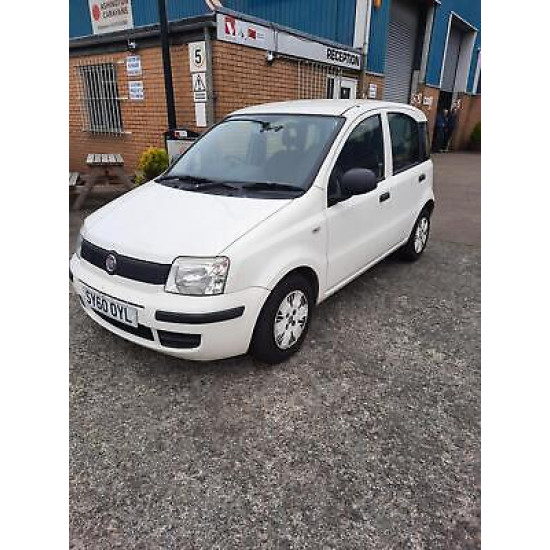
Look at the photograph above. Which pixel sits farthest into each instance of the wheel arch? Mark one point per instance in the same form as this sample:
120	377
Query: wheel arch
429	206
305	271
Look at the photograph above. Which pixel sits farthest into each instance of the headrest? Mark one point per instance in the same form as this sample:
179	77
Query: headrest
293	135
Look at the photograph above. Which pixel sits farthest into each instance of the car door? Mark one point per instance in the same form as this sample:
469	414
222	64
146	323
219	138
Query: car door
408	171
357	227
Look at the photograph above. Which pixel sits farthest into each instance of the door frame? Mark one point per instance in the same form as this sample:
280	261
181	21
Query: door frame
465	56
331	286
343	81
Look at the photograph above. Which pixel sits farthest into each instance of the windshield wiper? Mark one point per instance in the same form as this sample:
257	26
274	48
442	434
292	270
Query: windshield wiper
185	177
214	183
273	186
197	183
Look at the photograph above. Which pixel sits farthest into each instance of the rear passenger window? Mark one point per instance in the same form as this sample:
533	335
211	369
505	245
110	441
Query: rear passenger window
424	141
405	142
364	148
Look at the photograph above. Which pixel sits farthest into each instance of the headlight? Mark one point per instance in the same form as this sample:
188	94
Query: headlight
198	276
78	244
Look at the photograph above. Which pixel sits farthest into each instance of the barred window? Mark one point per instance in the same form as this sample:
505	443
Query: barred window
100	102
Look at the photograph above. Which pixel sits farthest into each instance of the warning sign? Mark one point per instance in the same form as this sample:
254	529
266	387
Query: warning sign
199	87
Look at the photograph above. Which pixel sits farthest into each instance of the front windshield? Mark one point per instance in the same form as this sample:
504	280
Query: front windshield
256	149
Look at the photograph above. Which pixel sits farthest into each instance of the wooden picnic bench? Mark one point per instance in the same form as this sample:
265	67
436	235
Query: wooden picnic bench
73	179
107	168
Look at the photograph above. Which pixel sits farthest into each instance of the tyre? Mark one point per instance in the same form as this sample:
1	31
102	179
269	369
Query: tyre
418	239
284	320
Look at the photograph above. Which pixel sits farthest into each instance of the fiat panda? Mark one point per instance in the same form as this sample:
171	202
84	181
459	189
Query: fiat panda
267	214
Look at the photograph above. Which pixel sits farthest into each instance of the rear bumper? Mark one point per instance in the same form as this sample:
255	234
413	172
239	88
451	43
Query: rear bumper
199	328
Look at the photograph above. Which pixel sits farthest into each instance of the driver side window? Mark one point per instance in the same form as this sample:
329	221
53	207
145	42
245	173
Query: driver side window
363	149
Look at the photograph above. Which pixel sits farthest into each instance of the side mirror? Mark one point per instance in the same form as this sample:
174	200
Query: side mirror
357	181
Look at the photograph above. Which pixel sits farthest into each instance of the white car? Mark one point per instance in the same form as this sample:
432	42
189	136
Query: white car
267	214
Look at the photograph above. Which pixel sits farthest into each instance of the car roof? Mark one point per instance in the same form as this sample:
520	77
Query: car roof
335	107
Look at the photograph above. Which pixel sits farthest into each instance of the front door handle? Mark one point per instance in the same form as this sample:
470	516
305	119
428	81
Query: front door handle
384	196
422	177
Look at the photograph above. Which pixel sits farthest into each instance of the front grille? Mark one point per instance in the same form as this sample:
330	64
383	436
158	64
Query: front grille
129	268
141	330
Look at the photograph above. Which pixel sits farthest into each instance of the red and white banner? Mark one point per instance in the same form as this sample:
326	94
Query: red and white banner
110	15
242	32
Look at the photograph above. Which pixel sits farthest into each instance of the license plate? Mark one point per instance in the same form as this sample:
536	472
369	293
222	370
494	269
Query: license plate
119	311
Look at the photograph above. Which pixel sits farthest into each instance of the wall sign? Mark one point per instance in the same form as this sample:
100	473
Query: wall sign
197	57
198	65
110	15
133	65
238	31
200	114
372	91
309	49
135	90
242	32
199	87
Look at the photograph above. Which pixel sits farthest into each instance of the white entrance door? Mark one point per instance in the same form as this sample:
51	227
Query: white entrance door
348	88
340	87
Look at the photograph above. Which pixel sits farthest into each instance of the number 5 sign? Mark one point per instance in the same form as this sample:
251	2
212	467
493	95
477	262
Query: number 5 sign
197	57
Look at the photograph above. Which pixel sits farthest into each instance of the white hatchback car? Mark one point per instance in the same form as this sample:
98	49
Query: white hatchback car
268	213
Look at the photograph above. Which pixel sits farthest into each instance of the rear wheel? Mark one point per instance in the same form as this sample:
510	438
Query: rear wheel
418	239
284	320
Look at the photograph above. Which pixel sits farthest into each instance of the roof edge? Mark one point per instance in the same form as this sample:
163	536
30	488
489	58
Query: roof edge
180	26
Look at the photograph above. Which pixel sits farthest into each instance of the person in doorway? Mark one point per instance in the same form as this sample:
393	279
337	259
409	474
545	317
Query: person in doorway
450	127
440	130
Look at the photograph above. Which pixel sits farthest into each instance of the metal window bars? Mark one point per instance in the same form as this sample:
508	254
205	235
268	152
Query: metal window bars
317	80
100	102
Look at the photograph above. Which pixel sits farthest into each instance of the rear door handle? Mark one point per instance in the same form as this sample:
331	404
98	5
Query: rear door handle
422	177
384	196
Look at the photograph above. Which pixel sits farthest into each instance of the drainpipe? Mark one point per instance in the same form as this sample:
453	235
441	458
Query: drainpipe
365	50
426	44
209	78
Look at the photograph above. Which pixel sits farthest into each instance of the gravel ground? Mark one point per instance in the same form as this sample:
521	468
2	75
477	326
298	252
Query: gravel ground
368	438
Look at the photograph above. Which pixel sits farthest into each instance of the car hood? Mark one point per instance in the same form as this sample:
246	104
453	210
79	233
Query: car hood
159	223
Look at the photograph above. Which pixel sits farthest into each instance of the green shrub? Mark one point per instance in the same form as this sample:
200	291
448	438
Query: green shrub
475	137
152	163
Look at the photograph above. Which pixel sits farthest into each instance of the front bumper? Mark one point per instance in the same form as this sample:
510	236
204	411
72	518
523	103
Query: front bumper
201	328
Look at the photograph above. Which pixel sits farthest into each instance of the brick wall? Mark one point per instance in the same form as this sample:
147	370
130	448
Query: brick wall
143	121
429	110
242	77
374	79
183	93
469	116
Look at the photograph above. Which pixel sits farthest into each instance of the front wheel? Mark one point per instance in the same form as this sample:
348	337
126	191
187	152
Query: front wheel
415	246
284	320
